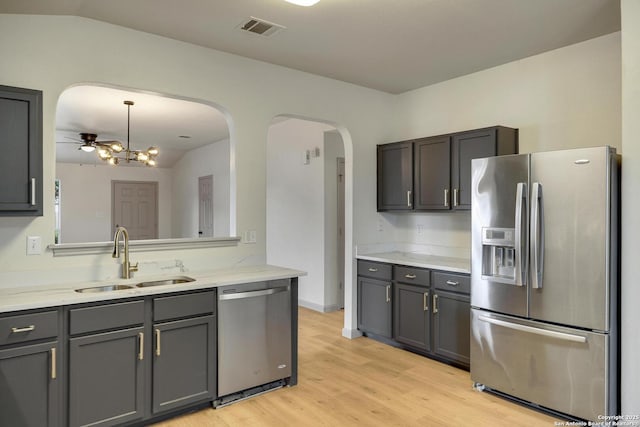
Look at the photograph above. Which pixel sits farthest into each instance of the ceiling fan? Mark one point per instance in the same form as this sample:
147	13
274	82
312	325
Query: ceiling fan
89	142
114	151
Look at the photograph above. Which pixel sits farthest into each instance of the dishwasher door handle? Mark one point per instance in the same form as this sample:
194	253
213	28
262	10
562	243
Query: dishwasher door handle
251	294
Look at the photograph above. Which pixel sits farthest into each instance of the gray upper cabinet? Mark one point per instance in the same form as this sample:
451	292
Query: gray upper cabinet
441	168
21	144
431	173
395	176
493	141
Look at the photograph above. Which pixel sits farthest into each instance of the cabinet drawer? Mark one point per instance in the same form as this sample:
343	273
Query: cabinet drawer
375	270
452	282
108	316
28	327
177	306
415	275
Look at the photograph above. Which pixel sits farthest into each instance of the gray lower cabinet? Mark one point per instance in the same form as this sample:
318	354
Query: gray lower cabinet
451	320
29	390
106	378
184	350
428	311
374	298
412	319
184	368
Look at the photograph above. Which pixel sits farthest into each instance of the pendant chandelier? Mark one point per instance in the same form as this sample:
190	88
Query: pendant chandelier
113	152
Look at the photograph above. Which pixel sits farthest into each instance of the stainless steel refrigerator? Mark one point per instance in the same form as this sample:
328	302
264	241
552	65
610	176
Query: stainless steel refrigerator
544	279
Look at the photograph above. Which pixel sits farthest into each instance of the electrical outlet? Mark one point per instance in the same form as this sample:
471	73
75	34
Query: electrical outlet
34	245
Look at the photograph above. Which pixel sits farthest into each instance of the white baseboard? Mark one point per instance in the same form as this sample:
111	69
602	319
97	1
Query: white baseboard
317	307
351	333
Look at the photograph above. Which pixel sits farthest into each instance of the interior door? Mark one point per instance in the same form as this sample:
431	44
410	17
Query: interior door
205	206
135	206
572	234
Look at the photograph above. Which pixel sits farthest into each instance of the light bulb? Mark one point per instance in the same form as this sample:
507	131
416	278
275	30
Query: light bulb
104	153
142	157
117	147
113	161
303	2
151	162
153	151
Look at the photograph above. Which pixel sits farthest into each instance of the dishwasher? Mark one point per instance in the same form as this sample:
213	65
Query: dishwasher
254	339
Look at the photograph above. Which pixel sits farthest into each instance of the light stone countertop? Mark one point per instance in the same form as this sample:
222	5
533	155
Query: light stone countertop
31	297
412	259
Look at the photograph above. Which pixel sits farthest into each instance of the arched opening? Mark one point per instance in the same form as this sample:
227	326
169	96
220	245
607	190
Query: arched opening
193	195
309	209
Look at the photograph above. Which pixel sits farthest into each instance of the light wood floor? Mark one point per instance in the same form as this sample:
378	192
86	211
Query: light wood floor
361	382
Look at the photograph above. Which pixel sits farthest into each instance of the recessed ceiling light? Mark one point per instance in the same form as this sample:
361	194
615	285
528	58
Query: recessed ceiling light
303	2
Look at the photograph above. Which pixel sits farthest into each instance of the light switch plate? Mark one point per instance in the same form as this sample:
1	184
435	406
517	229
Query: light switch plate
34	245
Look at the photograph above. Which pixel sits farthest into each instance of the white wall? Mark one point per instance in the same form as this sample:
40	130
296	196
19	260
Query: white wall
212	159
630	205
35	52
333	148
564	98
86	199
295	205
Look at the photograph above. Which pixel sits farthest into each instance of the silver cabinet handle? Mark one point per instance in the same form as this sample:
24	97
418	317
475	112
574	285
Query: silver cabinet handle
141	342
157	342
435	303
25	329
410	276
455	197
452	283
520	237
537	236
388	293
425	301
33	191
53	364
408	198
373	270
532	330
446	197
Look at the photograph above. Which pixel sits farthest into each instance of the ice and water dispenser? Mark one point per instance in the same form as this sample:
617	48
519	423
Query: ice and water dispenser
499	255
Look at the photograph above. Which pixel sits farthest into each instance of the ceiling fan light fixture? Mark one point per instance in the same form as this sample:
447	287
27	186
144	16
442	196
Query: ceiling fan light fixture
303	2
87	148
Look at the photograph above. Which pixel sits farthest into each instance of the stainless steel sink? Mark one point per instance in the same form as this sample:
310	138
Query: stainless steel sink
169	281
105	288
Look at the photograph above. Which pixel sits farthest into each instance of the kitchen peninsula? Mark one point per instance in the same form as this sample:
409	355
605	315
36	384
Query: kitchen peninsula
153	349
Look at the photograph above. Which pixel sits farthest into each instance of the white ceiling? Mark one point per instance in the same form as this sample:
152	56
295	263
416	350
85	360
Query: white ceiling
155	121
390	45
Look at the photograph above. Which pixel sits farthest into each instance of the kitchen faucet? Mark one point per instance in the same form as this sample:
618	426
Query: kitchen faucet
127	268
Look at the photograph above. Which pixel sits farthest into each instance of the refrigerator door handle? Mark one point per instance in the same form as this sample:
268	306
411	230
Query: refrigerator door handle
537	236
520	239
530	329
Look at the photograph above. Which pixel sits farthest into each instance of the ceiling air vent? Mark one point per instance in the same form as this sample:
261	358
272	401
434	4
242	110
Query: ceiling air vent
260	27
